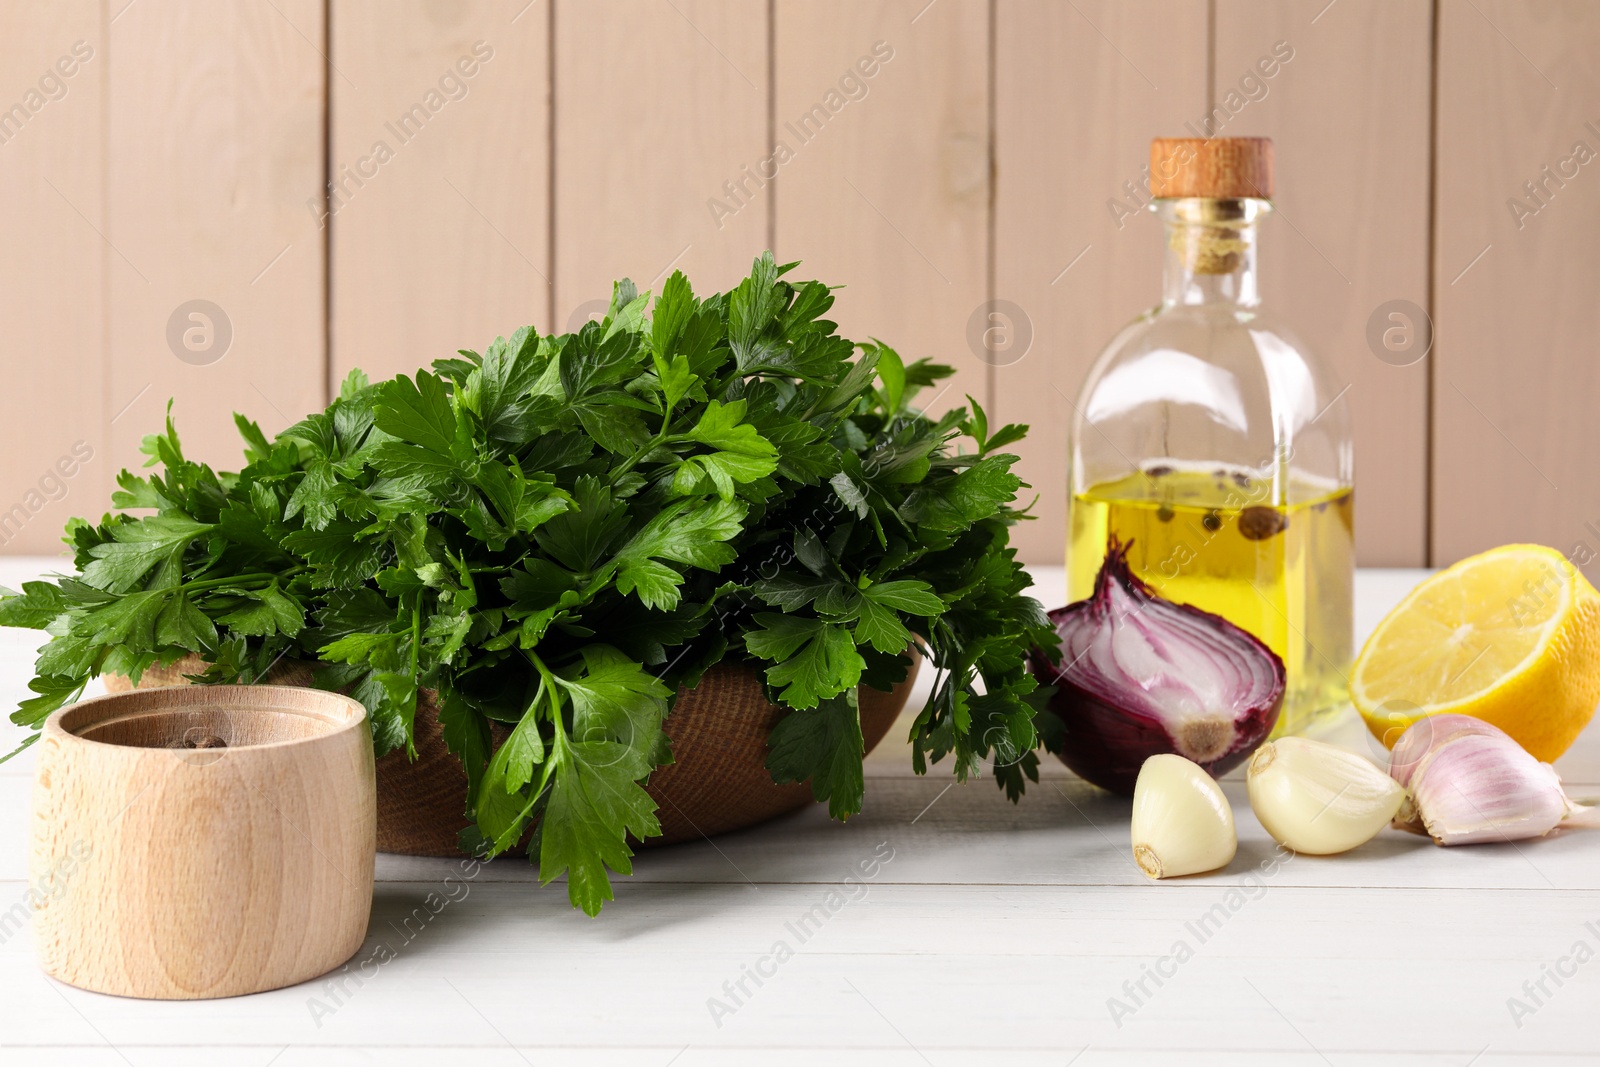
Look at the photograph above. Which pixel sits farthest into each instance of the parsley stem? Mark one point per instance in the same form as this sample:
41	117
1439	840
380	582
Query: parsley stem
633	461
664	437
416	636
241	579
549	686
416	652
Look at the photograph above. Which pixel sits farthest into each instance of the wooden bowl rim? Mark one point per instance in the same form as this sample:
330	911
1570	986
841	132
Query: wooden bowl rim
338	713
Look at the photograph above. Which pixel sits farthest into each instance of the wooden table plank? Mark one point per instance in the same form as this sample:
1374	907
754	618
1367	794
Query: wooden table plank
1031	967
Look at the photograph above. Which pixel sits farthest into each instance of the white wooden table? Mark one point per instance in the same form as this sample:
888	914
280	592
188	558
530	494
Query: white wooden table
993	933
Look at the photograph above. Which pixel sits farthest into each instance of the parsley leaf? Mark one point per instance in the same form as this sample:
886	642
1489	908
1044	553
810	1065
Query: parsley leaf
136	547
815	659
825	746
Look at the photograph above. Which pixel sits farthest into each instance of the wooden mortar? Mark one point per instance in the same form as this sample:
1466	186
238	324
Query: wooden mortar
202	841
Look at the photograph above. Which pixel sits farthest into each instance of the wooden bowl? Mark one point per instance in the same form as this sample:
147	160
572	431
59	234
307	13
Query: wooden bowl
718	782
202	841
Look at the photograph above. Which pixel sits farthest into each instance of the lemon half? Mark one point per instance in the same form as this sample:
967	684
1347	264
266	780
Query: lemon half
1510	636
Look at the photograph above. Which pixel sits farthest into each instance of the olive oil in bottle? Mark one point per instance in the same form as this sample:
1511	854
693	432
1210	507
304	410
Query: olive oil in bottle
1208	438
1214	539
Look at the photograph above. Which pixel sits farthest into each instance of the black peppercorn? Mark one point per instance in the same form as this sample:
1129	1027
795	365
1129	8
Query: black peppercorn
1259	523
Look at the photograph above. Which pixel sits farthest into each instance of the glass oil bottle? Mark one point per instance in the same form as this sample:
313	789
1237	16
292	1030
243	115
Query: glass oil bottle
1208	437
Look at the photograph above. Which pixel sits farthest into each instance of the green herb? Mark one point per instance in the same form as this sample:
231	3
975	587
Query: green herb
558	533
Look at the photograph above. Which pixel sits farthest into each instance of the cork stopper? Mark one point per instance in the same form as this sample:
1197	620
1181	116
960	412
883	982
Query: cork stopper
1217	168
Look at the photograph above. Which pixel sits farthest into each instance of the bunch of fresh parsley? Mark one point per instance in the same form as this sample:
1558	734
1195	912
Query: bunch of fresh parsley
556	534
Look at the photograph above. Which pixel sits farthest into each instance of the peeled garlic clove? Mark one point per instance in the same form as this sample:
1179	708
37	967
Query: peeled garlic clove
1182	823
1318	799
1481	787
1427	734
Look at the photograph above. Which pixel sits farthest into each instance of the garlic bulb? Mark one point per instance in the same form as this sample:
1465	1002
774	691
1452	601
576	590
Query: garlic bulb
1318	799
1182	823
1473	783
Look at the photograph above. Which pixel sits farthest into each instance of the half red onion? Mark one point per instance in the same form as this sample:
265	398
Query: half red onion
1140	675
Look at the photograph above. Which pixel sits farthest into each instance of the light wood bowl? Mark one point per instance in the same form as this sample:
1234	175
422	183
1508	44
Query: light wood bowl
178	873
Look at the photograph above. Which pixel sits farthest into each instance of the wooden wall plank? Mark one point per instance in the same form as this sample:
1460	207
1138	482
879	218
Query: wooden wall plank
1080	91
657	106
887	190
1515	437
216	118
52	180
439	132
183	171
1349	118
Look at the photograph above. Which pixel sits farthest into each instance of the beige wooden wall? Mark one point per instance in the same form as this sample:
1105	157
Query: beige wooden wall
375	183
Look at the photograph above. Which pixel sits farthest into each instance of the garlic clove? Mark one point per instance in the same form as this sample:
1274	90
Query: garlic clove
1182	824
1420	739
1427	734
1480	787
1319	799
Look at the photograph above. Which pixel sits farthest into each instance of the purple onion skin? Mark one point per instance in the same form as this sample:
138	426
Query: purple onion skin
1107	744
